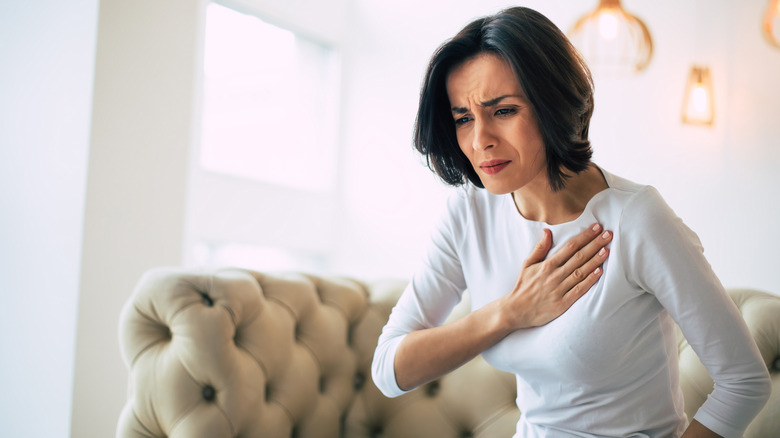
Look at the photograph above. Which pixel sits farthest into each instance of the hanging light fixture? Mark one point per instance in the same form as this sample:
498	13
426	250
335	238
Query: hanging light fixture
772	23
611	39
698	104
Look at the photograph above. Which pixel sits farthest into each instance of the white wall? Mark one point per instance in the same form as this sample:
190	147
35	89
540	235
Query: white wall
137	177
722	180
46	67
226	209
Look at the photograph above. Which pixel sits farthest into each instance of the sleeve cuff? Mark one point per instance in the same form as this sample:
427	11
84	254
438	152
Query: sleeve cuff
383	367
716	425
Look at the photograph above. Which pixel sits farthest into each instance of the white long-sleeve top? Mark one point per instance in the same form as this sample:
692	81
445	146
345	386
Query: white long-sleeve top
608	367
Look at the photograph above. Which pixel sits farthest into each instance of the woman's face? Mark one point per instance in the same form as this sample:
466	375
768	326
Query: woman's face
495	124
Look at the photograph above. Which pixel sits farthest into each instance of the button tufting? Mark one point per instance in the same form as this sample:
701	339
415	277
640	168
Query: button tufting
466	434
167	334
432	390
359	381
376	432
209	393
206	300
322	384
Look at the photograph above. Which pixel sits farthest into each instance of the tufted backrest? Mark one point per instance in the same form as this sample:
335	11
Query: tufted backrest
236	353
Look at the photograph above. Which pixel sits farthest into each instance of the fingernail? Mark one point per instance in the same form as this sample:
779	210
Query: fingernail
605	235
597	271
602	252
596	228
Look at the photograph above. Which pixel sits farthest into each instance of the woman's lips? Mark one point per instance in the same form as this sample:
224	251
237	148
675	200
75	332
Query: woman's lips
492	167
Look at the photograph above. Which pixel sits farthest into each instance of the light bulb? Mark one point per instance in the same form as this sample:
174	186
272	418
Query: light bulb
700	99
698	105
608	24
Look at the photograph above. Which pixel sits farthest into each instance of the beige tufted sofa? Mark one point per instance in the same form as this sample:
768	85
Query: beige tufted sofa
235	353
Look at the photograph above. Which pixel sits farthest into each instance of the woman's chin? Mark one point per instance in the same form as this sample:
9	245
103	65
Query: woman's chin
497	189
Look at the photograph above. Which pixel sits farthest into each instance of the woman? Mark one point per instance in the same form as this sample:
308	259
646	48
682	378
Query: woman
506	106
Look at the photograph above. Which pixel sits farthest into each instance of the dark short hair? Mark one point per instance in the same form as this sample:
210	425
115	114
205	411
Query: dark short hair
551	72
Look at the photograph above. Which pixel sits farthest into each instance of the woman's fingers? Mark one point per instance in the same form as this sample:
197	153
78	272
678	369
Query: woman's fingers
546	288
584	267
572	249
541	249
583	278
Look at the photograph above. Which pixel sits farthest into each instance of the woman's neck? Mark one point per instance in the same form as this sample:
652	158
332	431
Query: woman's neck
536	201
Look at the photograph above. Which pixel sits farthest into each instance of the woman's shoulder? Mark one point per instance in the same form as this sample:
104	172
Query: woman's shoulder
639	203
623	185
633	195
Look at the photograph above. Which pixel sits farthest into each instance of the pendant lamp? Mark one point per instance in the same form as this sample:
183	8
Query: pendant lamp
772	23
698	104
612	40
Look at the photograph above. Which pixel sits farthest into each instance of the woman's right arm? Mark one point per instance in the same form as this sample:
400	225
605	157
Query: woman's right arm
545	289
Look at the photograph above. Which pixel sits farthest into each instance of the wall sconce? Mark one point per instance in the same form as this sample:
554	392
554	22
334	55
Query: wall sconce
772	23
612	39
698	105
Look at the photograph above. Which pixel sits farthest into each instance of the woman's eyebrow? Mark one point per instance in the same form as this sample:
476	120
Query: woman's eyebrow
487	104
494	102
459	110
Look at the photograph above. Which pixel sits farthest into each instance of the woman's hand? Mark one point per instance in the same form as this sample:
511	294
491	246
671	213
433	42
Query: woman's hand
546	288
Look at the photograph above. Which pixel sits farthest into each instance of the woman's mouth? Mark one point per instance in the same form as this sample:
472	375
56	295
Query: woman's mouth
492	167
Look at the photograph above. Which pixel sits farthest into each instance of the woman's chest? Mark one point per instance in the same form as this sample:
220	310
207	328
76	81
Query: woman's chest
595	339
600	337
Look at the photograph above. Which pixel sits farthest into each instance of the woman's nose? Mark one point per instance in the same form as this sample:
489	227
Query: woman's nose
483	136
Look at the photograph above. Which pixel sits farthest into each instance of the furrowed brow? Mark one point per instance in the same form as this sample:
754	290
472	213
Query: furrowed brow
459	110
488	104
497	100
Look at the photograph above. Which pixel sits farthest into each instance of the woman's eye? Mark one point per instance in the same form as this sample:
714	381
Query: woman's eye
505	111
462	120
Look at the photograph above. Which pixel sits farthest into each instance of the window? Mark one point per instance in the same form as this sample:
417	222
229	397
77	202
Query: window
270	103
262	193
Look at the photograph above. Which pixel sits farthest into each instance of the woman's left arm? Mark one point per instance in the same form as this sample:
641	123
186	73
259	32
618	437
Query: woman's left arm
668	261
698	430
